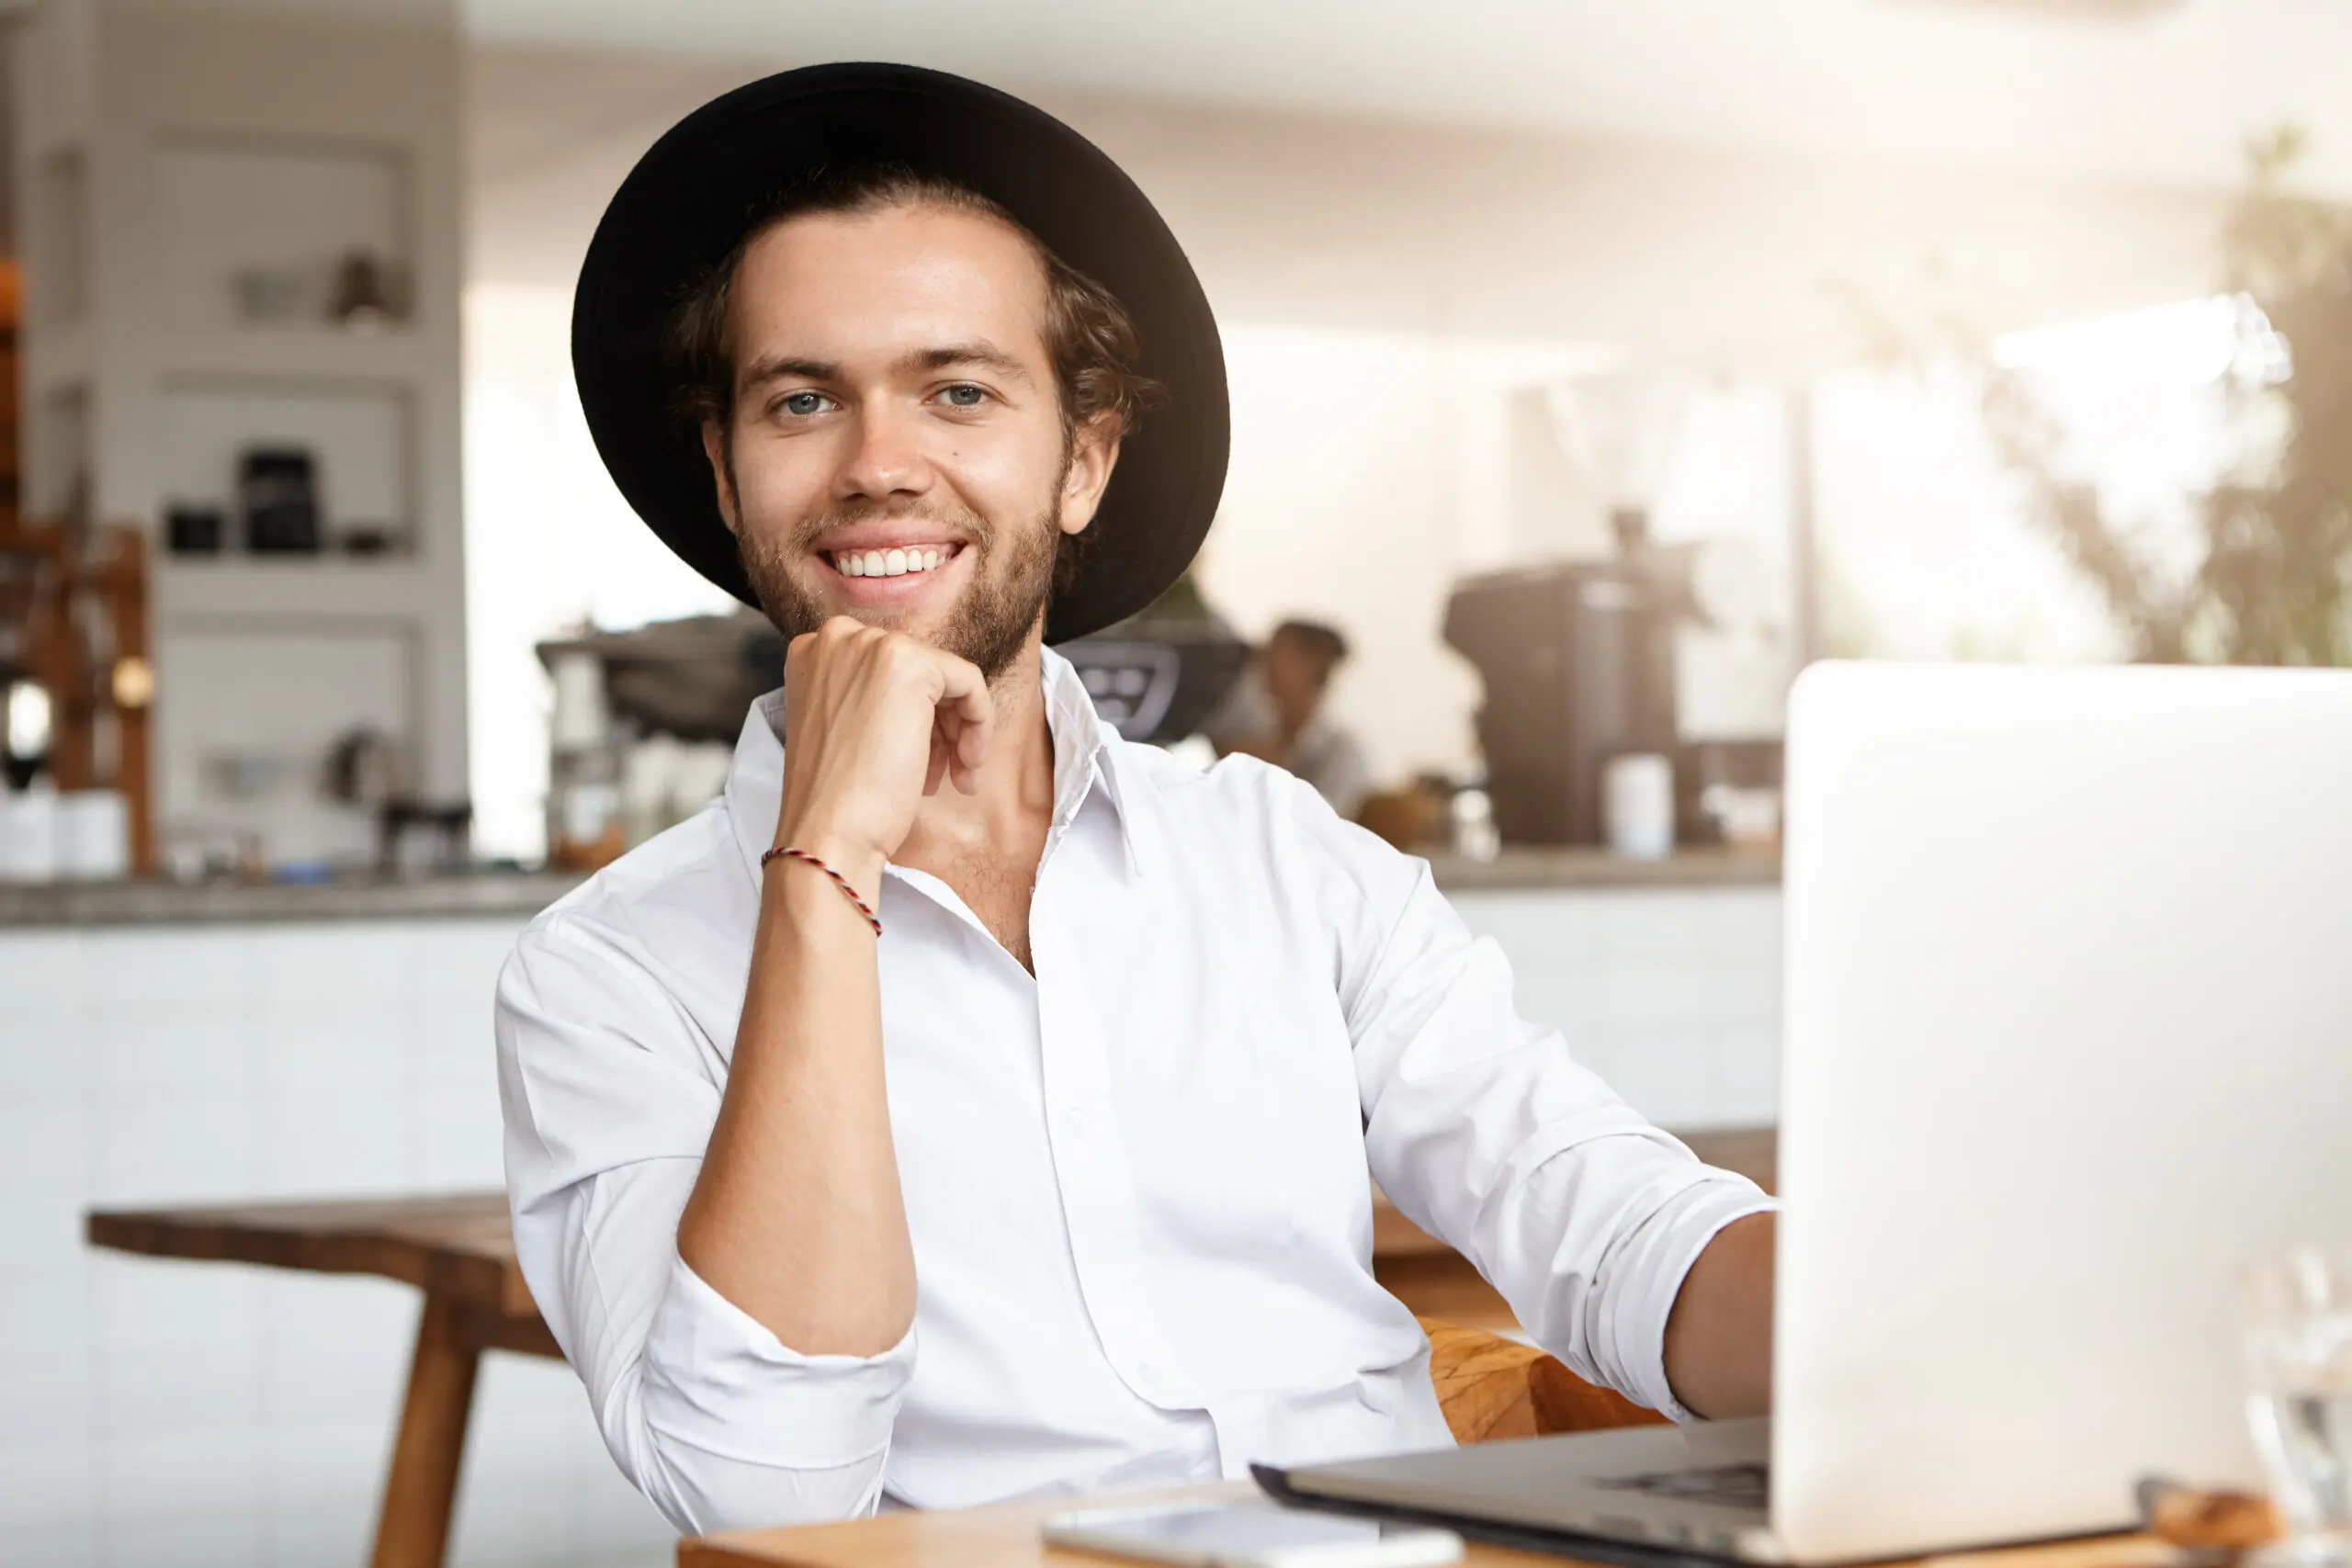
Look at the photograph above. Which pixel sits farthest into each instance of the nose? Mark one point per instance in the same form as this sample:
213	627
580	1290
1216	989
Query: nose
885	457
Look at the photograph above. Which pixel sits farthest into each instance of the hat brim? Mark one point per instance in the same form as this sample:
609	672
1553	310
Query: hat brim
691	197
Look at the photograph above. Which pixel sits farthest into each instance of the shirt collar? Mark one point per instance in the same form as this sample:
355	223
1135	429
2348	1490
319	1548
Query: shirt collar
1085	759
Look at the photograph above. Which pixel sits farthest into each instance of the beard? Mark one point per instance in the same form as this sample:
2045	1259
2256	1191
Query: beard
988	627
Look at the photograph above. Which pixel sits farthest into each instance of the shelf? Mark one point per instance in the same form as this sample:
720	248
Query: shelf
243	587
323	354
357	430
237	210
247	714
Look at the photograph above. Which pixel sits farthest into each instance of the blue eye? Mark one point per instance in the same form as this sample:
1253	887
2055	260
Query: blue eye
803	403
965	397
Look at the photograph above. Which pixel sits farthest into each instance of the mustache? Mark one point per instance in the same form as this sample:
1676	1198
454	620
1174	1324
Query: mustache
970	524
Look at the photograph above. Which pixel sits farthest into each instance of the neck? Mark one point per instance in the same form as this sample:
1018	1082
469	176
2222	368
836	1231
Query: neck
1016	782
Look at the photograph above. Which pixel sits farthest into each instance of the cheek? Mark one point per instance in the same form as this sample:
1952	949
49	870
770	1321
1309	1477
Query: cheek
1001	473
777	483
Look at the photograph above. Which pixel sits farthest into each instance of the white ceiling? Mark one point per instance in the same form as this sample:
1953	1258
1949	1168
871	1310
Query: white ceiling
2167	96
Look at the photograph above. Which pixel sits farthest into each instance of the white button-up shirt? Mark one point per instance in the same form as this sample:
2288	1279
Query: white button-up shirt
1139	1184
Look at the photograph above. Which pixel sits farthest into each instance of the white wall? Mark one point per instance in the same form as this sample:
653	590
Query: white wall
549	545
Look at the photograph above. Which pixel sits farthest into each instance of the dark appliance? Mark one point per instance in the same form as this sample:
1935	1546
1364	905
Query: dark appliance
194	530
1579	665
278	489
1157	684
1157	676
692	678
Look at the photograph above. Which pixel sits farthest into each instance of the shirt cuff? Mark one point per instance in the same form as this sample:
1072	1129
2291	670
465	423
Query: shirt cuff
718	1380
1649	1269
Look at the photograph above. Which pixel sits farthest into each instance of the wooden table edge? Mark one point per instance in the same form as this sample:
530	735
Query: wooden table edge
1008	1535
913	1535
221	1235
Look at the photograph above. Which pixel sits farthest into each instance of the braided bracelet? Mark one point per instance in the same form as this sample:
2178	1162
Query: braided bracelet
840	880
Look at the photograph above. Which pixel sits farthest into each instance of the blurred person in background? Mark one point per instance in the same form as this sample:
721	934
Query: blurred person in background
1063	1183
1276	715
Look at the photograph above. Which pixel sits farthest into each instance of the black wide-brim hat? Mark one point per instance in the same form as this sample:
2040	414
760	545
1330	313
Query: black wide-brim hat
693	197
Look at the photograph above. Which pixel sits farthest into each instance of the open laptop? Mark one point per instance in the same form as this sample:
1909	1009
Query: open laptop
2068	1038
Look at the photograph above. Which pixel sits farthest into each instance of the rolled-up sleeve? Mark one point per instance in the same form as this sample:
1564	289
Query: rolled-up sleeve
610	1096
1484	1130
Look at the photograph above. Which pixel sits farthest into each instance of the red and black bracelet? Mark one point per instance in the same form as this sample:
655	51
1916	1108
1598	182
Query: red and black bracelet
786	852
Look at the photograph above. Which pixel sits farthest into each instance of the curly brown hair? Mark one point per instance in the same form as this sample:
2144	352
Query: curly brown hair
1091	340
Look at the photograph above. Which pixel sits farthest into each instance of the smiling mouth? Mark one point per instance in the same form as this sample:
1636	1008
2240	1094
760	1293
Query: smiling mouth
900	562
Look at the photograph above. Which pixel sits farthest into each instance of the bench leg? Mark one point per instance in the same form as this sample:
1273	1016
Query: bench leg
421	1494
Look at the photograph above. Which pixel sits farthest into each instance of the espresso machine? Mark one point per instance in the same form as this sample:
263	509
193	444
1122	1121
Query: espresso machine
1578	661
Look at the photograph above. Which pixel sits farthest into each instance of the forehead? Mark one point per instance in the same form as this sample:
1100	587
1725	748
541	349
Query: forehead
828	285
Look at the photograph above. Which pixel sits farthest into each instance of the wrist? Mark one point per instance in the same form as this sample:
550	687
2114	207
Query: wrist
854	859
859	866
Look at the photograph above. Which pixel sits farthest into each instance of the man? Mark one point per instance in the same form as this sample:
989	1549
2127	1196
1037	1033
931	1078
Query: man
1277	714
1013	1131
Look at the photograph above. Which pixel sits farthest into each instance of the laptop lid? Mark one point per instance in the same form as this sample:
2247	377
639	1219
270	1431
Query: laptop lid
2068	1040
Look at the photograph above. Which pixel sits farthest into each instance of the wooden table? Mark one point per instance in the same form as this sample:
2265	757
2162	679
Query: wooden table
459	1251
1006	1536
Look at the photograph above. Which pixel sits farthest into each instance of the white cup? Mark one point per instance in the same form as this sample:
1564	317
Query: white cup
1637	806
29	836
93	836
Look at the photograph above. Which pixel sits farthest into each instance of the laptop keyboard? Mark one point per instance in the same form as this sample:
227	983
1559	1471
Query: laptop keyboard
1732	1486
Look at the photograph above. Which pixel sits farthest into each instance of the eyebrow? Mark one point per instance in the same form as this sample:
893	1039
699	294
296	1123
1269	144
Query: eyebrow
763	370
979	352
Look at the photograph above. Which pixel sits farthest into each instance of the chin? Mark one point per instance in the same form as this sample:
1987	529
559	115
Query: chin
924	624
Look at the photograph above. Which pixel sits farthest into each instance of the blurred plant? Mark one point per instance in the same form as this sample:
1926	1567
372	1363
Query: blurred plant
2272	583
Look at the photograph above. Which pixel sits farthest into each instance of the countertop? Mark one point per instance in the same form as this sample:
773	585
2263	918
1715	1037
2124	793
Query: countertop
516	894
1518	868
1535	867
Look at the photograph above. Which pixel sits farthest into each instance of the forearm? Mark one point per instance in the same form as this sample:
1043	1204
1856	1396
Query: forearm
1719	1337
797	1217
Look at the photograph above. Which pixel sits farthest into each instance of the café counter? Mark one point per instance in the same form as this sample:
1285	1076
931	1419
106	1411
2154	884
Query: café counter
520	894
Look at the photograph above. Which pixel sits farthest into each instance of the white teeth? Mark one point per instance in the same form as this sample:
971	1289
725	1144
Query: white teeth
889	563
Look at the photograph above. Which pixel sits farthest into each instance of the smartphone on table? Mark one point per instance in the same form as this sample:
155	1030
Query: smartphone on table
1251	1535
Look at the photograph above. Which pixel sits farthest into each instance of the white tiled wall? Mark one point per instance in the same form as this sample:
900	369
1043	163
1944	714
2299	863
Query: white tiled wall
1673	996
198	1415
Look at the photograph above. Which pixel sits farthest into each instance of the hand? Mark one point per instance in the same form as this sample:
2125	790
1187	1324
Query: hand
875	720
